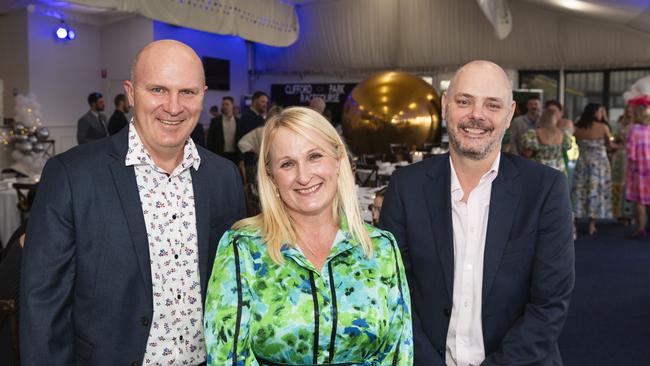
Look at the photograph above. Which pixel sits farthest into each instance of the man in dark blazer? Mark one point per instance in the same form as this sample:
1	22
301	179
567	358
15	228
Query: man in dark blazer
225	131
254	116
118	119
92	125
485	237
123	232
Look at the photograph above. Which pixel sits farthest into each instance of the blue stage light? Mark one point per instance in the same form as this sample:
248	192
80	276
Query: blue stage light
61	32
64	32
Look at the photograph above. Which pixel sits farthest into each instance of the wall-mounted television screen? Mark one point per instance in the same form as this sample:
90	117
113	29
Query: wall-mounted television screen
217	73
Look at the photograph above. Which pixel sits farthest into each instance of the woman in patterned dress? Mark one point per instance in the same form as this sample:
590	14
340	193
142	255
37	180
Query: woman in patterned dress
546	143
591	189
621	208
637	179
306	282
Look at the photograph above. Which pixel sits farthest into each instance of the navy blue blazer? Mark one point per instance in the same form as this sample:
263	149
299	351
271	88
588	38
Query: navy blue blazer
528	272
86	292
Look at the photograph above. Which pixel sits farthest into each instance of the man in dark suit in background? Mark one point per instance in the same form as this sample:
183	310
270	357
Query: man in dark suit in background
123	232
92	125
255	116
225	131
489	261
118	119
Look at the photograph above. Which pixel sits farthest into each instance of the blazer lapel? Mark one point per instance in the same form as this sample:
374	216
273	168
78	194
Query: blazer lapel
202	214
437	193
503	199
127	188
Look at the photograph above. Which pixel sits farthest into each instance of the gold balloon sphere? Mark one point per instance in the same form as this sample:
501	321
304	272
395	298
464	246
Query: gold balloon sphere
390	107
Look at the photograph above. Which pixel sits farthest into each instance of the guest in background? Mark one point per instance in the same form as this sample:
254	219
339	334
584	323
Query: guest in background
317	104
254	116
214	112
563	124
637	179
375	207
225	131
306	282
118	120
236	112
93	125
250	145
591	189
546	143
523	123
622	209
122	234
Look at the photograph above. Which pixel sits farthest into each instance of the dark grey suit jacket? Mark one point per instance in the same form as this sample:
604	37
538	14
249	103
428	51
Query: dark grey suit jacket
89	128
528	272
86	279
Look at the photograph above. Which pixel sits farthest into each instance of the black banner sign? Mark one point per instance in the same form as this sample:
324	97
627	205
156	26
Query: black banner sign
334	95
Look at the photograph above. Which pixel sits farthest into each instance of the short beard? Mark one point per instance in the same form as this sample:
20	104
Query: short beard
471	153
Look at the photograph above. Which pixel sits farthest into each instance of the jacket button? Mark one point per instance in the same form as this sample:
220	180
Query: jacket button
144	321
447	312
135	363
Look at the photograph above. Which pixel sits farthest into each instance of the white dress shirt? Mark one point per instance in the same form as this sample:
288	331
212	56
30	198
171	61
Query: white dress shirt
469	220
229	129
176	333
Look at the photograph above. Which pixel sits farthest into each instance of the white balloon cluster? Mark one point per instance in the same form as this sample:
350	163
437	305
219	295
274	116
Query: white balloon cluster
27	135
640	88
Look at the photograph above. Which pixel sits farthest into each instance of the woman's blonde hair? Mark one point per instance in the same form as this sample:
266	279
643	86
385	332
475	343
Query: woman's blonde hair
274	223
548	122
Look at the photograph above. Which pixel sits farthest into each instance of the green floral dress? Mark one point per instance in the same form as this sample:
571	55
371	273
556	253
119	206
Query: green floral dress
550	155
355	312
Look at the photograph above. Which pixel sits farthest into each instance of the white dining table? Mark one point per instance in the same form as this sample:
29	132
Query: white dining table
9	214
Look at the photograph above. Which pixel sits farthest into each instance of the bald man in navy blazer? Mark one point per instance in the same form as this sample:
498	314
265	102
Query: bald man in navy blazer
486	237
123	232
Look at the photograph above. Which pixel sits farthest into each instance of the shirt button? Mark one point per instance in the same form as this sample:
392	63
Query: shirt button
181	338
466	304
169	180
178	297
174	216
175	256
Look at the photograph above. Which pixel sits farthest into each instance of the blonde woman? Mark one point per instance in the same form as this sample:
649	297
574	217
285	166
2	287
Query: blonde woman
546	143
306	282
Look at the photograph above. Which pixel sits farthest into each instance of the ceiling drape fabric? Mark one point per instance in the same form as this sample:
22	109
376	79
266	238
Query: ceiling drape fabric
270	22
424	35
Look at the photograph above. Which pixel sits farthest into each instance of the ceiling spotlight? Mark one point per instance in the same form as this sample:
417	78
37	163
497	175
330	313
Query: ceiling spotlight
63	32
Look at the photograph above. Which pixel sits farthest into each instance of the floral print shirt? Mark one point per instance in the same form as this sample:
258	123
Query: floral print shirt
356	311
176	332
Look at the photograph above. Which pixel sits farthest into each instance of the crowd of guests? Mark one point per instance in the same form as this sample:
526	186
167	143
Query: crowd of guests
611	177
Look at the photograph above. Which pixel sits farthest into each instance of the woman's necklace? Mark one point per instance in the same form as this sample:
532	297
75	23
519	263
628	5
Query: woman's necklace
304	244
